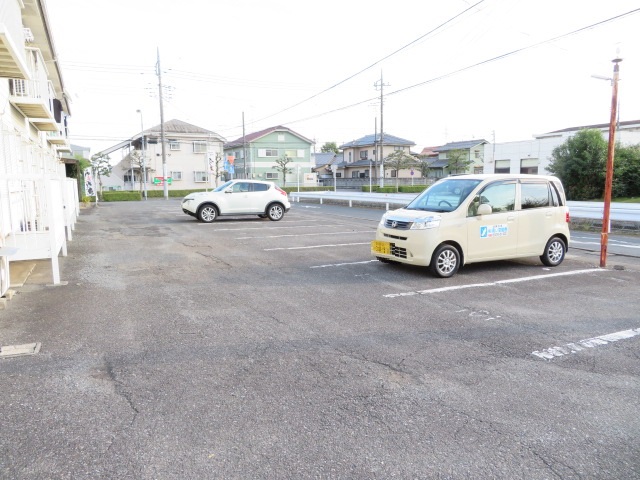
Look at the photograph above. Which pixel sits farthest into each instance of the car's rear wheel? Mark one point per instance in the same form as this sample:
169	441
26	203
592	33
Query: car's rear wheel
554	252
445	261
275	212
207	213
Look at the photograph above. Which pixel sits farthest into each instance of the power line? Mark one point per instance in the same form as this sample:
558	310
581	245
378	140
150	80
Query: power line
375	63
463	69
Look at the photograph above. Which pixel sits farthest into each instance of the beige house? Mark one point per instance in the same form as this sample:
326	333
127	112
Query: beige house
38	204
190	153
359	160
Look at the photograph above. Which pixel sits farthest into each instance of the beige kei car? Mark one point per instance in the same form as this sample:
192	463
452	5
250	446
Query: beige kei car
475	218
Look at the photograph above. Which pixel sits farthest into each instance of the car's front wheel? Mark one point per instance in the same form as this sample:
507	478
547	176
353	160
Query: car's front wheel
445	261
275	212
554	252
207	213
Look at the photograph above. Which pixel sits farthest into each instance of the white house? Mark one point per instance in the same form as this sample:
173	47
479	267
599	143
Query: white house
190	153
533	156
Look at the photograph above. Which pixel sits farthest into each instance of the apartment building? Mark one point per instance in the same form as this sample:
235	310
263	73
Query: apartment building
38	204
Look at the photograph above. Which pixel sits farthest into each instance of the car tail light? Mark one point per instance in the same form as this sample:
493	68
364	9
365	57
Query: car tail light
568	217
281	191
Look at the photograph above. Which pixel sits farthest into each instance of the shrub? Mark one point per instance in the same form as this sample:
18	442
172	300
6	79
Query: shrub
121	196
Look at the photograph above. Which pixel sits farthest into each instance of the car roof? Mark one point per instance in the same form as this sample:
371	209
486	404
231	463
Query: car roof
502	176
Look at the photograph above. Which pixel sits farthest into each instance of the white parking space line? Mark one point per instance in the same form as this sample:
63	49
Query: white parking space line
342	264
305	234
490	284
316	246
576	347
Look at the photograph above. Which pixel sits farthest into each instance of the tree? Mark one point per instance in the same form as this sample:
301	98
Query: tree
458	160
399	160
329	147
282	163
626	171
424	165
580	163
215	165
101	167
137	162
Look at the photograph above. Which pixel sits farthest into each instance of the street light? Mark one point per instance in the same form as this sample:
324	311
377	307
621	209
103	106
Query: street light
144	169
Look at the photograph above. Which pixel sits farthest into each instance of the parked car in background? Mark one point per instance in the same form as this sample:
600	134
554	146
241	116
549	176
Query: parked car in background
238	197
476	218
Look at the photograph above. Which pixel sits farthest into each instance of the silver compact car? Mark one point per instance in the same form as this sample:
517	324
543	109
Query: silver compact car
238	197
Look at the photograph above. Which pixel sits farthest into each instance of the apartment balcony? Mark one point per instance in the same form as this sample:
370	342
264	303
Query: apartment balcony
35	99
13	60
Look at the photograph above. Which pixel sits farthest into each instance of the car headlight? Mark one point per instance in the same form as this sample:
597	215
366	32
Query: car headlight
426	222
383	219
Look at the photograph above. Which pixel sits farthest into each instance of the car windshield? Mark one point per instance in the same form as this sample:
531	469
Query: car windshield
223	186
444	196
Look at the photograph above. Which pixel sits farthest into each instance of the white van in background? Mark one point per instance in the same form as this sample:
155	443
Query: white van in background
476	218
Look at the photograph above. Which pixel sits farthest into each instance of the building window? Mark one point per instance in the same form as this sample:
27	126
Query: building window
281	137
476	153
176	175
529	166
503	166
394	173
355	174
174	144
271	175
200	177
478	169
267	152
398	148
364	154
199	147
338	175
294	153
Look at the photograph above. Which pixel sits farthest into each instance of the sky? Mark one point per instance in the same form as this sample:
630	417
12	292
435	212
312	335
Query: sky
499	70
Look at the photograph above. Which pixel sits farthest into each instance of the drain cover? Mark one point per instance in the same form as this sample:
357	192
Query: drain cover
19	350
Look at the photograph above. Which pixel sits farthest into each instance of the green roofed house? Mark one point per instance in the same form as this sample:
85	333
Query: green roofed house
256	154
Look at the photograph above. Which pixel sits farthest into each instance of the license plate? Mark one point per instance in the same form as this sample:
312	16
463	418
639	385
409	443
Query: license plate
381	247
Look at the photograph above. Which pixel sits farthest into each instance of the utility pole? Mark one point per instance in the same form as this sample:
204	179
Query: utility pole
164	151
606	223
244	150
381	85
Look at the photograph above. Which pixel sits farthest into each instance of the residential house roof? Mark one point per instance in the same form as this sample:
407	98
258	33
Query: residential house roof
370	140
600	126
170	127
251	137
463	145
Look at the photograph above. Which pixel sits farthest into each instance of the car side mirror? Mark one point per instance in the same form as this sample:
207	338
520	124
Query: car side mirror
229	190
484	209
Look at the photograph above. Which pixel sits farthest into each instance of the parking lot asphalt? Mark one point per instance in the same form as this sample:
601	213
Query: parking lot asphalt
255	349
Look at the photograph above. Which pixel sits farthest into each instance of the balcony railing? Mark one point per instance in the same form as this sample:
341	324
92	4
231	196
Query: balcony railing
34	98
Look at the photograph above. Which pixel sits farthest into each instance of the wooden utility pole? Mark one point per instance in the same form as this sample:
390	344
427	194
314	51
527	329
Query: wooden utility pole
606	222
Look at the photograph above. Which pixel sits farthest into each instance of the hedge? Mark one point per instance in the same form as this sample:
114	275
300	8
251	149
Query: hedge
122	196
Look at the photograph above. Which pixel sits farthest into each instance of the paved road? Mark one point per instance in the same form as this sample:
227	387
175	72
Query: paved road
257	349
